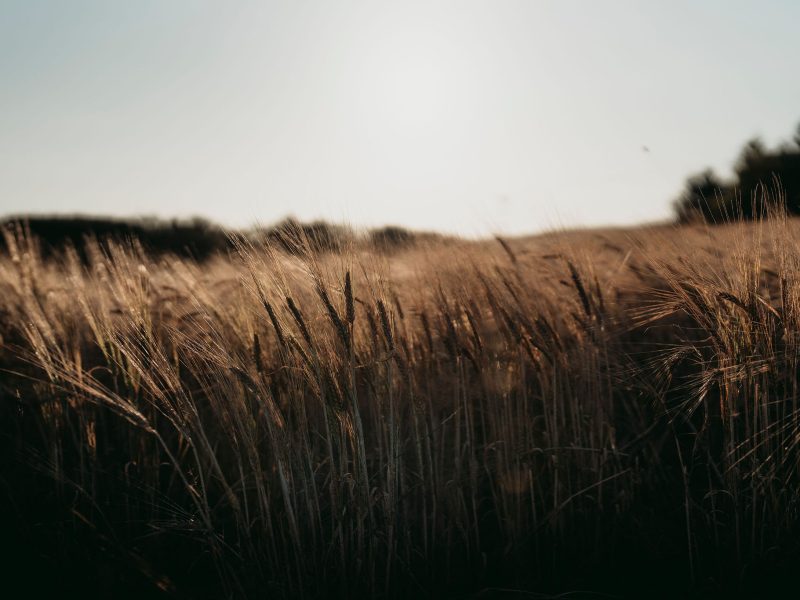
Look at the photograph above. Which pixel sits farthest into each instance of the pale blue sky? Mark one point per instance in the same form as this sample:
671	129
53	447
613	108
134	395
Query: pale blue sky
460	116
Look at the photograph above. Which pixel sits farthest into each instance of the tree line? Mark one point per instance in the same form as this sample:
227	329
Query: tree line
197	238
762	177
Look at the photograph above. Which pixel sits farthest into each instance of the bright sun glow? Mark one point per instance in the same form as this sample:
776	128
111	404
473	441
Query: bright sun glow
465	116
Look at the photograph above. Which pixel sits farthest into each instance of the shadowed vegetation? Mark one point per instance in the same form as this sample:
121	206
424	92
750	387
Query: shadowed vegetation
613	412
197	238
760	174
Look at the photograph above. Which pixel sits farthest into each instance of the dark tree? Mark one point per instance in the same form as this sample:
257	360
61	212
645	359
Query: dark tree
703	197
765	180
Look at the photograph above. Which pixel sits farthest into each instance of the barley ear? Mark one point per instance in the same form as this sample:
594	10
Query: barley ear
387	329
350	307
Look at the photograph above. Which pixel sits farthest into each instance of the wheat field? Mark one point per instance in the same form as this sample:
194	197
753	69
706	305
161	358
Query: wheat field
577	414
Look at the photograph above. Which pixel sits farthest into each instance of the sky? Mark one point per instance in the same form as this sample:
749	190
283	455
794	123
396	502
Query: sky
461	116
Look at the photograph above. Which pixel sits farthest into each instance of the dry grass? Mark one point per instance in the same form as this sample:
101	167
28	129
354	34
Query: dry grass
588	410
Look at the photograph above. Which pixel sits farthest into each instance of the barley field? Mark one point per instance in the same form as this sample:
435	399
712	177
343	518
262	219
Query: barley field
599	413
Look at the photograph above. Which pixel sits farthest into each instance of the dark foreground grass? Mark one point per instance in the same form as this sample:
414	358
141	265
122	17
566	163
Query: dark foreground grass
461	421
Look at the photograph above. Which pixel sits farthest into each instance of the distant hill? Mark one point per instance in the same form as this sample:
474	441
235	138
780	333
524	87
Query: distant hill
194	238
198	238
